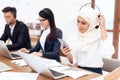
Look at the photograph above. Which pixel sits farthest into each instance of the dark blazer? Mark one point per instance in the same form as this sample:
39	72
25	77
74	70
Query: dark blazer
51	48
20	38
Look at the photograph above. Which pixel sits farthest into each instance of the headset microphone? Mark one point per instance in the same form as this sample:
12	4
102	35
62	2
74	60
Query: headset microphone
98	16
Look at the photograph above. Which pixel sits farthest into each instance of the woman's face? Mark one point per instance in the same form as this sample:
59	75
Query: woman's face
44	22
82	24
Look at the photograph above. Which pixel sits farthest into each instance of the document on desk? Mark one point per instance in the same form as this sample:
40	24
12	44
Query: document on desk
18	76
60	68
75	73
4	67
19	62
71	72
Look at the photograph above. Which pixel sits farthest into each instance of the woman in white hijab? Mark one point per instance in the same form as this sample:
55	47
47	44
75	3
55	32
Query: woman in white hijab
88	47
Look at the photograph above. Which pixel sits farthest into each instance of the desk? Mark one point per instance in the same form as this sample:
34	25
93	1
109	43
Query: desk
114	75
40	77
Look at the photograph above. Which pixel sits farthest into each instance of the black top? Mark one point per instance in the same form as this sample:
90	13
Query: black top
51	48
20	37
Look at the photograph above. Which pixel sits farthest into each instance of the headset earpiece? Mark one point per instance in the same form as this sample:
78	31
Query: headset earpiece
49	20
97	26
98	16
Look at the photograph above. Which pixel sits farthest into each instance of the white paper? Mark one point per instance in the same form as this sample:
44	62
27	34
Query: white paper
18	76
98	78
19	62
51	63
4	67
59	68
75	73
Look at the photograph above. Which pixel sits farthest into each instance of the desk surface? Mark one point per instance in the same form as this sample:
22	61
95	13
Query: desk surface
41	77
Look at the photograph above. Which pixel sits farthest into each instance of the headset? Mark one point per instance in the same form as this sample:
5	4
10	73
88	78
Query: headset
89	4
45	10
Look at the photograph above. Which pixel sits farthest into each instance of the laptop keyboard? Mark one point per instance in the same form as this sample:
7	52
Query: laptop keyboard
55	73
14	55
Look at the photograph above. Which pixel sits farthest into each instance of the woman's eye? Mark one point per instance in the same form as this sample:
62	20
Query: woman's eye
78	21
84	23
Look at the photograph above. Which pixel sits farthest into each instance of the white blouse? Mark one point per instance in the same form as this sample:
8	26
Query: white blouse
93	57
43	37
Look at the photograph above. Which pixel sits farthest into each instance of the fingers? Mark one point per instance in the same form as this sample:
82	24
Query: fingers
101	20
37	54
24	50
20	50
101	17
33	53
65	50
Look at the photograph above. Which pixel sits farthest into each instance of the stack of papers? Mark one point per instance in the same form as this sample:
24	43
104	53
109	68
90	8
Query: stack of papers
18	76
19	62
4	67
71	72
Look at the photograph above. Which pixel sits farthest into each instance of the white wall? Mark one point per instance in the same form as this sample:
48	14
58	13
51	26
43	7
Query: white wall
27	11
65	12
107	8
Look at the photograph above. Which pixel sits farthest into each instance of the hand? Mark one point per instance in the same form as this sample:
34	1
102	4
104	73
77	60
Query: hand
24	50
102	27
37	54
101	21
66	50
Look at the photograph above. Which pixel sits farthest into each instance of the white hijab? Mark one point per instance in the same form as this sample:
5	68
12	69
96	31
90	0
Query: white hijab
83	41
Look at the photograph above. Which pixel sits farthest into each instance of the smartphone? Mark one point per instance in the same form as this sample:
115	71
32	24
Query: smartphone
63	43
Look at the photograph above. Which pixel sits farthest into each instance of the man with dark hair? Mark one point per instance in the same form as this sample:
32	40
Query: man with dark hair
10	9
15	30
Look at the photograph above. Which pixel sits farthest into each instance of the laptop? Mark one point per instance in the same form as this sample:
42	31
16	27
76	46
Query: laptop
39	66
5	52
